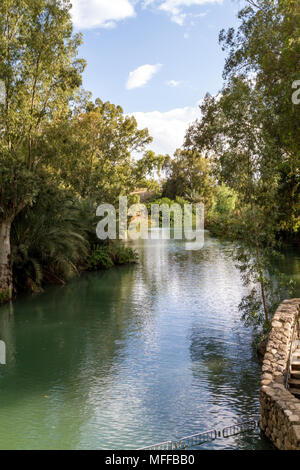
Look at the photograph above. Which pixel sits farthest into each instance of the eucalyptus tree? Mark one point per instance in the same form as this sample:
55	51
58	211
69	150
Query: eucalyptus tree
94	151
244	157
148	169
267	46
250	131
40	69
189	175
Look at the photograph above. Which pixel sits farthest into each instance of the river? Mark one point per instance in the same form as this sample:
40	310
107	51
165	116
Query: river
132	356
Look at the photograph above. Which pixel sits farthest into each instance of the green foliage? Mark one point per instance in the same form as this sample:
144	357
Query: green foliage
100	258
276	288
91	151
151	165
267	44
54	239
123	255
224	202
189	176
249	133
49	240
40	69
106	256
222	219
159	201
181	201
60	153
133	199
276	285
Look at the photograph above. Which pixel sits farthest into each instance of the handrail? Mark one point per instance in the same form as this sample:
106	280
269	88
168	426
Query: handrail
166	445
288	367
203	437
238	428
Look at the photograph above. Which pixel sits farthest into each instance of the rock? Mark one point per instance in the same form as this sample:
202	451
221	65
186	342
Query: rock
294	419
280	410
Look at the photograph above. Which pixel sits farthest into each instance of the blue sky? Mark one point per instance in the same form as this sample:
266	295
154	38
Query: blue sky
155	58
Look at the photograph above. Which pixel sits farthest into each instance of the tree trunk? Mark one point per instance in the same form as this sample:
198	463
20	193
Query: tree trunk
262	286
5	262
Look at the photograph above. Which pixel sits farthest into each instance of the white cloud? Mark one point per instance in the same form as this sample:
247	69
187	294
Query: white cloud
141	75
88	14
173	83
176	9
168	129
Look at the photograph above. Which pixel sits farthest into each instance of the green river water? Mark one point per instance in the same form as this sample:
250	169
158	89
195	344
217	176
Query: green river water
132	356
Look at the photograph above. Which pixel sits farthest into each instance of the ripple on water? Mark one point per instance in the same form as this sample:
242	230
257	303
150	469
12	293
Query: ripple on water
130	357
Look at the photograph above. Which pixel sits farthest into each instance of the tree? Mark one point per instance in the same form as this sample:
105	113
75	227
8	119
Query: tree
92	150
147	171
252	127
236	131
267	46
40	69
189	176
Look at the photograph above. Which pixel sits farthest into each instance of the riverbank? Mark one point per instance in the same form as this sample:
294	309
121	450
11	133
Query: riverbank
98	257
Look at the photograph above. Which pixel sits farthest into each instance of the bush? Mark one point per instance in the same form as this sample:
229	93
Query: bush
100	258
49	240
105	257
124	255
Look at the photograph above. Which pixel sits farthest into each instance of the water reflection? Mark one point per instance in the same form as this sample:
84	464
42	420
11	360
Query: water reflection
131	356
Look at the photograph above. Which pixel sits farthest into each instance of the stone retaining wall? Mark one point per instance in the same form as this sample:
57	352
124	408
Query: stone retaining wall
280	410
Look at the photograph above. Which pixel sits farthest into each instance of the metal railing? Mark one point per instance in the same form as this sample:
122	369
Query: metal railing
203	437
167	445
185	442
195	440
288	367
239	428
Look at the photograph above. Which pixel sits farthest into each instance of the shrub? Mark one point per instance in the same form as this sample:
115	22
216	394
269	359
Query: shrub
124	255
105	257
100	258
